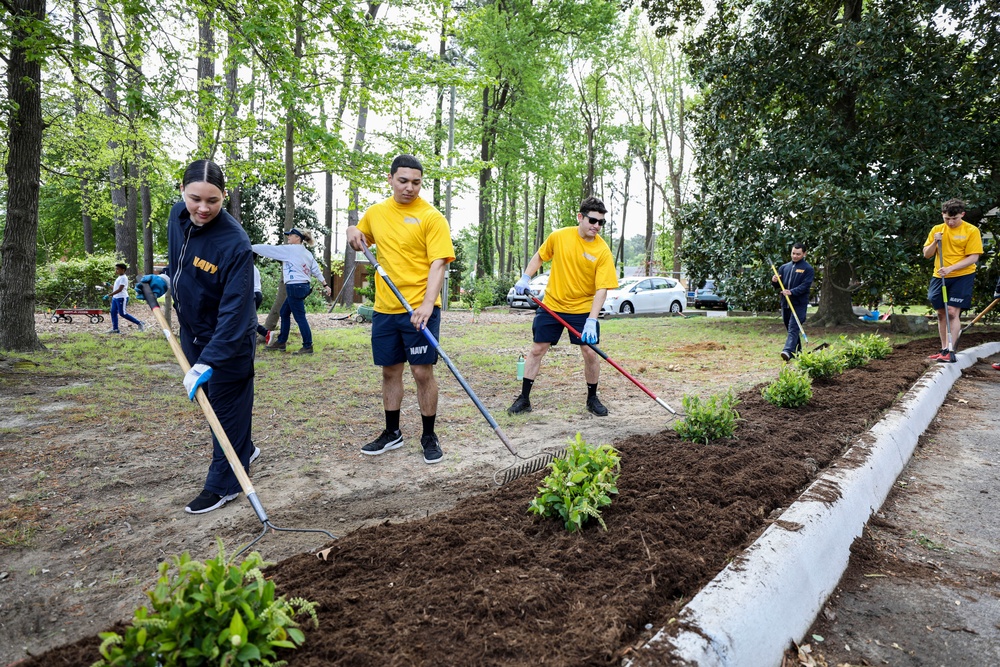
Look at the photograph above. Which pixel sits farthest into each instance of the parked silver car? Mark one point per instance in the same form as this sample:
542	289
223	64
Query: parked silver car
646	294
537	285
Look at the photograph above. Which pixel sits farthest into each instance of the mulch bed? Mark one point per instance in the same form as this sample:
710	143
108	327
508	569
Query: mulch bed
485	583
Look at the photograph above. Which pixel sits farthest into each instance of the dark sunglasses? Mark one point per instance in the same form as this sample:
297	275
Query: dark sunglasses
594	221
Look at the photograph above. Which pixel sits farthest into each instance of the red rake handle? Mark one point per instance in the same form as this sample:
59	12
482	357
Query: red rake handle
601	354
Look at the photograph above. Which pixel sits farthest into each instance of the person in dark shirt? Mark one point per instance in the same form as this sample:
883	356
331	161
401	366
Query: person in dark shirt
797	278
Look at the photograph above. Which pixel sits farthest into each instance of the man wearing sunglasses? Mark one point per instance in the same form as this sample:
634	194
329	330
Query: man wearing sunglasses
582	272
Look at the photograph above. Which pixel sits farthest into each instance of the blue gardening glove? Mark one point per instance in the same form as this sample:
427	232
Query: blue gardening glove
197	376
105	297
589	333
159	285
521	286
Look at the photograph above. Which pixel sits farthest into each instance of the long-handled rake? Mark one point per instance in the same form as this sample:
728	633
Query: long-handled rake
531	464
981	313
220	434
944	296
602	354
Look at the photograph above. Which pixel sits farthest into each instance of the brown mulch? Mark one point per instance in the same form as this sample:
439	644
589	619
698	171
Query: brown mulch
486	583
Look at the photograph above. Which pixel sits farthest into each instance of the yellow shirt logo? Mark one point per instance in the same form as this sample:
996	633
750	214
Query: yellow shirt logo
205	265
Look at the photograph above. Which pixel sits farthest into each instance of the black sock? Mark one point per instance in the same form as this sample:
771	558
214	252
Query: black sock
428	424
392	420
591	390
526	385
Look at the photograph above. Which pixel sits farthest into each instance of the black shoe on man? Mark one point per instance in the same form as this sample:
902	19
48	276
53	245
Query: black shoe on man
595	406
432	449
304	350
384	443
208	501
520	405
275	347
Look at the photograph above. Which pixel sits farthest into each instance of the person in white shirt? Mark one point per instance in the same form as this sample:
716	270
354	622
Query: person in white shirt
298	269
258	298
119	299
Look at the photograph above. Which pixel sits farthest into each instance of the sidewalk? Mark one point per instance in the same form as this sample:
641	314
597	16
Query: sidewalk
768	598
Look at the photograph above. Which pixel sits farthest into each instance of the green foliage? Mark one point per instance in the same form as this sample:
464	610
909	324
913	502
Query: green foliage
485	292
822	364
211	613
792	389
876	346
75	282
580	484
708	420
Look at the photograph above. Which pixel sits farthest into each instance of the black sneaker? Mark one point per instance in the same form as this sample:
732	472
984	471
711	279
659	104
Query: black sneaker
382	444
208	501
520	405
432	449
594	405
304	350
947	357
785	356
278	347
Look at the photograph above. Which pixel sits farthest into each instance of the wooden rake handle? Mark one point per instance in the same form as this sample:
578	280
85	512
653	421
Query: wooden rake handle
206	406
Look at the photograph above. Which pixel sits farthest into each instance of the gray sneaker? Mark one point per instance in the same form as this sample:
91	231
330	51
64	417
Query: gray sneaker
384	443
142	327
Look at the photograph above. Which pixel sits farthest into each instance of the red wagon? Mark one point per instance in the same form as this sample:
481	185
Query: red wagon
96	315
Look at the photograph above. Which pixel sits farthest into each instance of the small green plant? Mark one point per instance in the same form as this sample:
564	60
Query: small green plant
822	364
792	389
709	420
211	613
580	484
877	347
855	352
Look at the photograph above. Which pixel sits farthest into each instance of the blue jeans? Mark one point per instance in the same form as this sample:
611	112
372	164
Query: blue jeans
295	305
118	308
793	343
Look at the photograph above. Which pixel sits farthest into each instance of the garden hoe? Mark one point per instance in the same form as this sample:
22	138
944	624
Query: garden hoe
944	297
603	355
512	472
802	332
220	434
981	313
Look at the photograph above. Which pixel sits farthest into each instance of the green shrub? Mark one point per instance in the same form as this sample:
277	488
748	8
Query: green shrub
581	483
877	347
855	352
76	282
485	292
822	364
211	613
709	420
792	389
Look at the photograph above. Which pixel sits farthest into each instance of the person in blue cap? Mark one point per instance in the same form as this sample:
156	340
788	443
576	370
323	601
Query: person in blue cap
210	274
298	268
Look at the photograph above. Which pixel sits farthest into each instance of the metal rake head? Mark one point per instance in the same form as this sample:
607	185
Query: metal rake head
527	466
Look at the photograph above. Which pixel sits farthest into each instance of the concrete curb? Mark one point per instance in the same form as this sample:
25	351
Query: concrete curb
768	597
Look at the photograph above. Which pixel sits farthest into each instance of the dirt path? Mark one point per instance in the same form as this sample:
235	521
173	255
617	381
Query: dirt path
922	585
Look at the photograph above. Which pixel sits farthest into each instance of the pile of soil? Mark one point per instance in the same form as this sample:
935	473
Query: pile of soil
485	583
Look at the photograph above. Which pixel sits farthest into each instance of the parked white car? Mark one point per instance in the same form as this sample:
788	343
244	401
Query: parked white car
537	285
646	294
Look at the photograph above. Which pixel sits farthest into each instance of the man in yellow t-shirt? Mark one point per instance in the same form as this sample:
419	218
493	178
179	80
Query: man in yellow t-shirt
414	247
957	246
582	272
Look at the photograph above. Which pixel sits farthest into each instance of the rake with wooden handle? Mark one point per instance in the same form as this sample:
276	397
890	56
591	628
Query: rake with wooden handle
220	434
981	313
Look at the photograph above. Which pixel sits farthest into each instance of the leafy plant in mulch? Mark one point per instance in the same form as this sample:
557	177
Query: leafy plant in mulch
792	389
211	613
708	420
859	351
822	364
877	347
580	484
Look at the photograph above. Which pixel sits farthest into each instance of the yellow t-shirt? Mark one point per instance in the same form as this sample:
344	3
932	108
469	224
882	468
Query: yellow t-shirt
408	238
579	269
956	244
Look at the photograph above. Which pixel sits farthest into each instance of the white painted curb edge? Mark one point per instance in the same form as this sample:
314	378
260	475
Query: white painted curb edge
751	612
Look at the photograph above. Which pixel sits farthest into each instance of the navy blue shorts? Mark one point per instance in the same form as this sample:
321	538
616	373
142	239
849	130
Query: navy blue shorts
394	340
547	329
959	292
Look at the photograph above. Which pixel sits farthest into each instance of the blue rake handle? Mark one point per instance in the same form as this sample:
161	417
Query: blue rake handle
433	341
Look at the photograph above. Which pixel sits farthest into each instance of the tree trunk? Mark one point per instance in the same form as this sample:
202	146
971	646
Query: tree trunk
82	172
206	85
23	170
835	295
124	234
232	113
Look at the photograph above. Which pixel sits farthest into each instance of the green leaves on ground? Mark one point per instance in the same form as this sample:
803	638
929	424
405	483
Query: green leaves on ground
792	389
822	364
211	613
709	420
581	483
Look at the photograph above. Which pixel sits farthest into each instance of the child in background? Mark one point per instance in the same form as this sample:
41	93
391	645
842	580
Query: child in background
119	299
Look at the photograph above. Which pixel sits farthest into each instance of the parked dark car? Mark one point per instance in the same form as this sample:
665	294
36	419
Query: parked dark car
705	299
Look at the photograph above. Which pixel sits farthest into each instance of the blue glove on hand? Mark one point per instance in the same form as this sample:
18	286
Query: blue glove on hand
105	297
197	376
521	286
159	285
589	333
